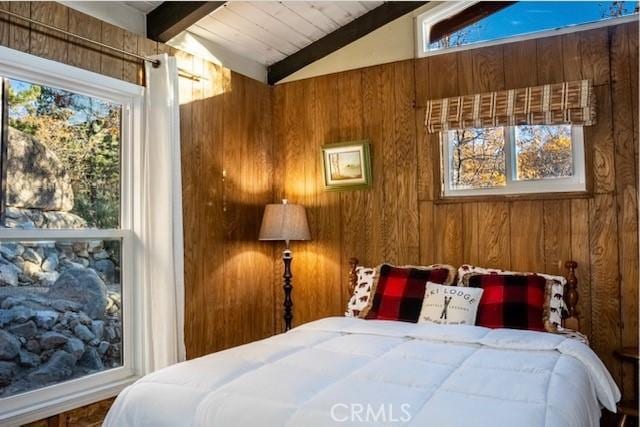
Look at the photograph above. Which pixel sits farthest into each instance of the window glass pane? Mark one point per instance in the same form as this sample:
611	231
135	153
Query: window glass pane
534	16
477	158
543	152
63	159
60	312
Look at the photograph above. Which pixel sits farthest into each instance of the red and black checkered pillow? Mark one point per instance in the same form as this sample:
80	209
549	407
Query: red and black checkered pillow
399	291
510	300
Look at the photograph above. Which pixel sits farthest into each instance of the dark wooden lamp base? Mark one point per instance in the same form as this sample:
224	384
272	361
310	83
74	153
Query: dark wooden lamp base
287	256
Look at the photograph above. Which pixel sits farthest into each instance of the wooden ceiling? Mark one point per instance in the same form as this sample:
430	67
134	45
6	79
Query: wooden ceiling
143	6
270	31
285	36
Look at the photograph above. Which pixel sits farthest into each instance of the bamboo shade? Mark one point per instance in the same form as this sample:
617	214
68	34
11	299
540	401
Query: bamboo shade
551	104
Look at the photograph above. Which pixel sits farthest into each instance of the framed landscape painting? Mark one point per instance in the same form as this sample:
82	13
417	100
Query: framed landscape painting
347	165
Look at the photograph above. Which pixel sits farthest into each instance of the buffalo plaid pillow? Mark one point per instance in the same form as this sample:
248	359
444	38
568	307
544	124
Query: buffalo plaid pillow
399	292
510	300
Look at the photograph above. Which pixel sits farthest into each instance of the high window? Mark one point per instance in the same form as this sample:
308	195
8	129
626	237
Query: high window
513	160
67	265
526	19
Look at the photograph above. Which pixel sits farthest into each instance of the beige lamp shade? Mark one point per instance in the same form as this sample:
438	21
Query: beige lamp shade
284	222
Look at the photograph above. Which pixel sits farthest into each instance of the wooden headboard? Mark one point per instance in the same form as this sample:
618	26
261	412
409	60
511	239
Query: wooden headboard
569	319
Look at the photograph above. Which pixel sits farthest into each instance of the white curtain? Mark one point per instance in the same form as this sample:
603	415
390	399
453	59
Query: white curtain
162	289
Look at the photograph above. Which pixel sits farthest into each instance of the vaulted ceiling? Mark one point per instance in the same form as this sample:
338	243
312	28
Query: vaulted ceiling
269	31
284	36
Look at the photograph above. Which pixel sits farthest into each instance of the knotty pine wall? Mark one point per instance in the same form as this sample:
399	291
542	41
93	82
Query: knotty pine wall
227	181
227	178
400	221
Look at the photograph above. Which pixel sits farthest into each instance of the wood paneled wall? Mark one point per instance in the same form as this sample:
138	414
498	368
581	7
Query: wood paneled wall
227	179
399	219
375	225
31	38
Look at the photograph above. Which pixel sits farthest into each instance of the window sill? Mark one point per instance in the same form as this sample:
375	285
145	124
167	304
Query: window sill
514	197
64	403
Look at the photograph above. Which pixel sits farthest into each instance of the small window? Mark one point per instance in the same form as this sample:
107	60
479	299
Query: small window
513	160
523	19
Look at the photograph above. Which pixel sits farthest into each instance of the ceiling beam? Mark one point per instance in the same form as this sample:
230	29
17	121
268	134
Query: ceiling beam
171	18
467	17
341	37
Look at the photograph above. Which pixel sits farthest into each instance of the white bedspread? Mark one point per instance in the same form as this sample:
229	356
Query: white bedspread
345	371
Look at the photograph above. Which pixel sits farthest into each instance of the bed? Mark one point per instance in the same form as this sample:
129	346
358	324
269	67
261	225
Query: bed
349	371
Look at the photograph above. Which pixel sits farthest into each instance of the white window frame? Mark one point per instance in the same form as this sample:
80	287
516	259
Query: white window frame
43	402
575	183
425	21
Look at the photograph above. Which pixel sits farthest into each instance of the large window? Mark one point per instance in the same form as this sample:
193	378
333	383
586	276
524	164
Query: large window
67	275
513	160
524	19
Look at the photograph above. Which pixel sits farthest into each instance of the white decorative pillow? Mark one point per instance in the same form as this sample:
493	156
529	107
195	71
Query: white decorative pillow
554	293
554	302
450	305
362	291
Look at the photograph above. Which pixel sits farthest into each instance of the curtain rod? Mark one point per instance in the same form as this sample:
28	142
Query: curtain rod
154	62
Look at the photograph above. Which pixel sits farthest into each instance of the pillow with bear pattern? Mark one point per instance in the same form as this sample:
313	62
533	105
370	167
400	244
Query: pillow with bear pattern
554	304
365	283
362	291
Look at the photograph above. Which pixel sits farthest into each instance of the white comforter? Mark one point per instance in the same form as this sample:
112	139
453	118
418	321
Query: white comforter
344	371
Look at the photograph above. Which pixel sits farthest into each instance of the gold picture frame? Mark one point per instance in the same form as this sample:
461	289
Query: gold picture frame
346	165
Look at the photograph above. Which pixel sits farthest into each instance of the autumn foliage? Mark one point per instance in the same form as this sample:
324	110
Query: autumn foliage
84	133
478	156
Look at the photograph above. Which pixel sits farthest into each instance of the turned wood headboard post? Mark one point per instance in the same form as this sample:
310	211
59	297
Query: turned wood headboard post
571	297
353	277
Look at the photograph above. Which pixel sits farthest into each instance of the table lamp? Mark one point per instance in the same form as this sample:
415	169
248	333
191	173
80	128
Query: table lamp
285	222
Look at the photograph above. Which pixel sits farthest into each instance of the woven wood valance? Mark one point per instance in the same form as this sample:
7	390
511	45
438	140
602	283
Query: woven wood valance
552	104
